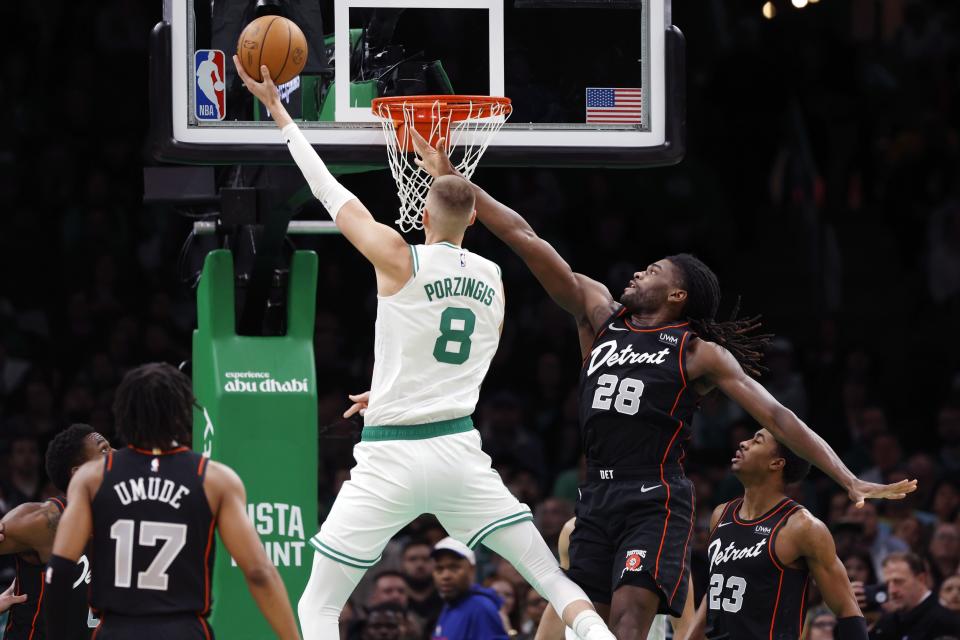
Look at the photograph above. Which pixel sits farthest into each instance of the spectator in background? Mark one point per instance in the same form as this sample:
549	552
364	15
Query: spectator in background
820	625
948	428
509	612
911	532
24	462
470	612
859	567
885	454
533	608
876	537
950	593
914	612
944	552
391	587
550	516
417	568
384	622
946	501
923	467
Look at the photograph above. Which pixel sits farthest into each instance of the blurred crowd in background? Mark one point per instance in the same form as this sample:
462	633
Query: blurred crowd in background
822	184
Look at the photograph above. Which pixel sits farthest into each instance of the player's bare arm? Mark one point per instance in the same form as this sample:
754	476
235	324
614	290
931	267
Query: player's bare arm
228	499
696	629
586	299
76	523
807	538
711	363
382	245
30	527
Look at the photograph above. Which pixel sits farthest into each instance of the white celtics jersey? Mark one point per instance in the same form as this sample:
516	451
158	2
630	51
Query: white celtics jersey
435	338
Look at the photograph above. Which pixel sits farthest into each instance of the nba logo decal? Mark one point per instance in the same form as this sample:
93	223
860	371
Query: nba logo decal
210	94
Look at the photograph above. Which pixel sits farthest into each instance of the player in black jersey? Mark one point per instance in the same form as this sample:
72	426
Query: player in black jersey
28	531
646	359
151	509
763	549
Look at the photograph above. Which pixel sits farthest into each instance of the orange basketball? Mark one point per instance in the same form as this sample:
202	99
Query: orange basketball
275	42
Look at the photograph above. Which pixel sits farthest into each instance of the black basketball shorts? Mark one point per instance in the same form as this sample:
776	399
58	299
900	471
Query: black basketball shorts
634	528
162	627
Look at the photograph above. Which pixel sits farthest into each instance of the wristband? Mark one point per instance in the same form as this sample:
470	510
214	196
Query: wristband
59	577
852	628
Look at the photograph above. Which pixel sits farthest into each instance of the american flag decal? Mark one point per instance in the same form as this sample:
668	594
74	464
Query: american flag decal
615	106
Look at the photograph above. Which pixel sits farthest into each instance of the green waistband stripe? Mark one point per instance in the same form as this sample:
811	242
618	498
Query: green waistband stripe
375	433
478	537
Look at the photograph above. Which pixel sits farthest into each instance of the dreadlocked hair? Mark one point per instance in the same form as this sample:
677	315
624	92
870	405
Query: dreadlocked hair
736	335
153	406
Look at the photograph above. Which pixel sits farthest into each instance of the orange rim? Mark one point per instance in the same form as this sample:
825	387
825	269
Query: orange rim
454	107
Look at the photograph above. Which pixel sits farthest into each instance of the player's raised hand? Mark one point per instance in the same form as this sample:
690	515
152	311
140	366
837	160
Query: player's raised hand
434	161
861	491
7	599
266	91
360	402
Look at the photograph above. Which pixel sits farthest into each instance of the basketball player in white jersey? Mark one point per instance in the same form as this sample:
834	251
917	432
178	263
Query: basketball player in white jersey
439	317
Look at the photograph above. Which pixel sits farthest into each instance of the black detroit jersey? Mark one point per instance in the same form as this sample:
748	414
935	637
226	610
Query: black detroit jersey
751	594
153	535
635	407
26	621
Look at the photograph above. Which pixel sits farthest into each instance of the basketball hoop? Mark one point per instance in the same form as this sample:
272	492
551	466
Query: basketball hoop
467	123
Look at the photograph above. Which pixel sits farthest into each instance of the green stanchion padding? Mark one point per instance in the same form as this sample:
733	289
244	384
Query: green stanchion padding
259	416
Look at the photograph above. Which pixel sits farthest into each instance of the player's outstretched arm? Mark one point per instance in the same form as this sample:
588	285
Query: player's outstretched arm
576	293
73	534
380	244
244	546
722	370
817	548
29	527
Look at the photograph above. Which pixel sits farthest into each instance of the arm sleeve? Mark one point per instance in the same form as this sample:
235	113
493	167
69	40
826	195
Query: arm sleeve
331	194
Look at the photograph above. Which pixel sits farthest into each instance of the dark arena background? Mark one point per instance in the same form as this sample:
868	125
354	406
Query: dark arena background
821	182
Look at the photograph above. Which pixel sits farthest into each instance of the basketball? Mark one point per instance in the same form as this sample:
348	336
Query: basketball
276	42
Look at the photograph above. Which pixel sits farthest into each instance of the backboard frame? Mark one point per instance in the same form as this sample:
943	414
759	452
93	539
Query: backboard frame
362	143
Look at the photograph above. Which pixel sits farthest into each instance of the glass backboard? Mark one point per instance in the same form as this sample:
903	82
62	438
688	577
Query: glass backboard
592	82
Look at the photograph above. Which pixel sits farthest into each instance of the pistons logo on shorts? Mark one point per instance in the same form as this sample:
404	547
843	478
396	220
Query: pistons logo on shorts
635	560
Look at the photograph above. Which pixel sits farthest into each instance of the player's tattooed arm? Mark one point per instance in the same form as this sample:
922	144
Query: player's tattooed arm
718	367
29	527
815	545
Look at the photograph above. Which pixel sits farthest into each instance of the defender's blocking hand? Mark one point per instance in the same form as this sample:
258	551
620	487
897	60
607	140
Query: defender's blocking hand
436	162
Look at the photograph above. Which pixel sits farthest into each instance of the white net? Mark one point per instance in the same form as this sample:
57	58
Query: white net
468	126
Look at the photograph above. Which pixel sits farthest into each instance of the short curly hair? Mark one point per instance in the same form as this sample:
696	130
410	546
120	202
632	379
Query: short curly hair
65	452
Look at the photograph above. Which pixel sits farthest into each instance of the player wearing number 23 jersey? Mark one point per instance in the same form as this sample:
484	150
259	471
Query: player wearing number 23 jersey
764	548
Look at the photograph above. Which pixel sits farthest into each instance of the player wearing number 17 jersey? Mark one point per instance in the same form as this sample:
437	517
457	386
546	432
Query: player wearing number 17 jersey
646	359
764	548
439	313
151	510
